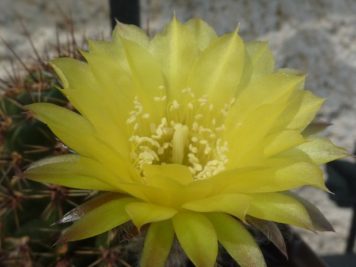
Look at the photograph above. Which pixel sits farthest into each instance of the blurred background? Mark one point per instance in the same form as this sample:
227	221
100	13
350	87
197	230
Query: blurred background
317	37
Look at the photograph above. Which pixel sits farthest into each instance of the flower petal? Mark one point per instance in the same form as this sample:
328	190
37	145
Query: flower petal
146	192
244	122
197	237
176	172
130	32
309	106
78	212
142	213
70	127
237	241
271	231
315	127
320	223
202	32
321	150
224	61
278	177
176	51
158	242
101	219
280	86
72	171
147	77
282	141
78	133
234	204
261	57
116	74
96	105
171	179
279	207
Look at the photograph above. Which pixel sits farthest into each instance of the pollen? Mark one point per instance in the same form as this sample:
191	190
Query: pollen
188	134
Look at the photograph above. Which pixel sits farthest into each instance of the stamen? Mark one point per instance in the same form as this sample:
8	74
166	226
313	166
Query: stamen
189	134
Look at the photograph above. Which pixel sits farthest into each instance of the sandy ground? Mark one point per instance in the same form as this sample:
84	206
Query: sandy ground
317	37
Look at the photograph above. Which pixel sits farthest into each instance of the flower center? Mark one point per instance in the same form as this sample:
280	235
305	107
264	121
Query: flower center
189	133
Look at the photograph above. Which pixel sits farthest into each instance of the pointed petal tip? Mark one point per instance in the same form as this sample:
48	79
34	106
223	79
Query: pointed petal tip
316	127
271	231
196	235
121	25
118	23
318	221
158	243
325	189
31	108
55	65
324	226
175	20
237	28
71	216
84	53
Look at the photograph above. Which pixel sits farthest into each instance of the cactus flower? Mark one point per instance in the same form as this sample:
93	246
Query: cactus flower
193	134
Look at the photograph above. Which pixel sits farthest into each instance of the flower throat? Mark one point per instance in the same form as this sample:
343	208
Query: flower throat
190	133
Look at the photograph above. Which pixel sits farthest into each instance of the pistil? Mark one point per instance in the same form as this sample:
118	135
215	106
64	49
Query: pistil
179	142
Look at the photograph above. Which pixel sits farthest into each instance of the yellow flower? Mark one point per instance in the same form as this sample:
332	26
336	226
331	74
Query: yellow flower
192	133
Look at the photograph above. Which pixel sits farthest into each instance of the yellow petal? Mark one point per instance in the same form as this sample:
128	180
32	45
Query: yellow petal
202	32
321	150
234	204
147	77
244	121
242	153
70	127
142	213
280	208
261	57
320	223
73	171
130	32
197	237
78	133
115	78
111	53
199	189
158	242
176	51
224	61
308	108
98	106
171	179
282	141
299	174
99	220
148	193
269	179
78	212
237	241
176	172
266	90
